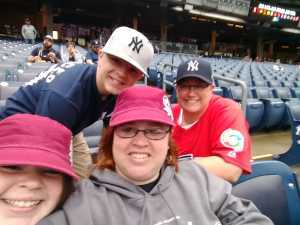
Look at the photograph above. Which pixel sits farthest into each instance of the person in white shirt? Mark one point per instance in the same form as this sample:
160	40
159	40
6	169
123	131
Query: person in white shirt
72	54
29	32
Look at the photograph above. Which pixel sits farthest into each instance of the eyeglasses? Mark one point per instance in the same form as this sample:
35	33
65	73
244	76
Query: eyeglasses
126	131
196	87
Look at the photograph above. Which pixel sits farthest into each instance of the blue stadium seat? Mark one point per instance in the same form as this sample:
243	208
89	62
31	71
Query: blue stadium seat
254	107
273	188
295	92
284	93
6	91
274	83
292	155
2	104
297	84
92	135
153	75
259	82
287	83
274	108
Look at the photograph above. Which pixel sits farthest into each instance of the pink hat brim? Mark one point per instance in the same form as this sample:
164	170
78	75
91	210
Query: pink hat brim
138	114
35	157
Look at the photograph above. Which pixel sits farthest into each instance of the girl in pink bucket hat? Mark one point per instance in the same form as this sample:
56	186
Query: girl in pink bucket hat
36	174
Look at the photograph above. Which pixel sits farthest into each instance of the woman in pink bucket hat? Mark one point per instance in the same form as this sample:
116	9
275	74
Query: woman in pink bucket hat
36	174
138	179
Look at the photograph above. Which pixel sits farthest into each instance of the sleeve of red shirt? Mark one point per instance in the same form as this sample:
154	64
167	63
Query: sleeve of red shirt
231	139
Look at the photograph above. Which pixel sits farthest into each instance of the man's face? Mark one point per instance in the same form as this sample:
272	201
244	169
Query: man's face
47	43
115	74
28	193
193	95
71	48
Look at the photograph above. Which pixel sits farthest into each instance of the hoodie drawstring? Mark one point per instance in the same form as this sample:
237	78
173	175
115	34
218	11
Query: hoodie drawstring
165	200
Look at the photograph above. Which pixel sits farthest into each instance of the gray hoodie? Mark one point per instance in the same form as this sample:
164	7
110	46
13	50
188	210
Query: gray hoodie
189	197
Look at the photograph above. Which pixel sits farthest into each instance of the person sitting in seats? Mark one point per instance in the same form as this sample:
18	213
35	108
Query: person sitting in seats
92	55
46	53
72	54
209	128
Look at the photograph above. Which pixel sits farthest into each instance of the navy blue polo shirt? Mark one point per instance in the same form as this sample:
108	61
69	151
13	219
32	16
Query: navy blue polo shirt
66	93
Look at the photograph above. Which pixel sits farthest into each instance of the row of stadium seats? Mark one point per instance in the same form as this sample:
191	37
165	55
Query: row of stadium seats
273	187
270	85
266	107
252	73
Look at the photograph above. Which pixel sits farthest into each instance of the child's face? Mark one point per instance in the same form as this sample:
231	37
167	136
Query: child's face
28	194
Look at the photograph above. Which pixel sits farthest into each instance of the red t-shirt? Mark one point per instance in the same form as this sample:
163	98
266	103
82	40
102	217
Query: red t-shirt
221	131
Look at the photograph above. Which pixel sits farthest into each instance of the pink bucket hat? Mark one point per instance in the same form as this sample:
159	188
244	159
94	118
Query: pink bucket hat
27	139
142	103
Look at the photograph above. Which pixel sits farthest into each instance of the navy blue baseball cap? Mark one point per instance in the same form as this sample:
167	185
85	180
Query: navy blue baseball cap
197	68
96	43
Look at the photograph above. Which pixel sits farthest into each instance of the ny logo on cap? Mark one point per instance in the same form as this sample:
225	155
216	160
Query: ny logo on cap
193	66
137	44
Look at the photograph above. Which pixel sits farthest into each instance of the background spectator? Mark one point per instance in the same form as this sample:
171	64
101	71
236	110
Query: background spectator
28	31
46	53
92	55
72	54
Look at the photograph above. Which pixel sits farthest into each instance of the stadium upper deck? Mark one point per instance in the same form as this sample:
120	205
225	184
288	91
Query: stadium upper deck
177	21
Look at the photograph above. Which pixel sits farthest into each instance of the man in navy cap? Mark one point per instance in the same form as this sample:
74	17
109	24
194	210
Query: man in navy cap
210	128
92	55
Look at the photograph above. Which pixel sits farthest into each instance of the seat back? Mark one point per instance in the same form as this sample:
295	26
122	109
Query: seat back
293	109
7	91
282	92
273	188
262	92
2	104
296	92
92	135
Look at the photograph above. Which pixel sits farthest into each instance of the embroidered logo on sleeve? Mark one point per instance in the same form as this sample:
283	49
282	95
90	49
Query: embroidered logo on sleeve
233	139
167	107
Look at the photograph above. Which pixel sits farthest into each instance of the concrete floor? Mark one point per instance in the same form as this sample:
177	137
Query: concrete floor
264	145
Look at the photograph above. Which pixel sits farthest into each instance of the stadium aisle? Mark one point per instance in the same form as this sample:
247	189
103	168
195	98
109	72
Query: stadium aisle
275	142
